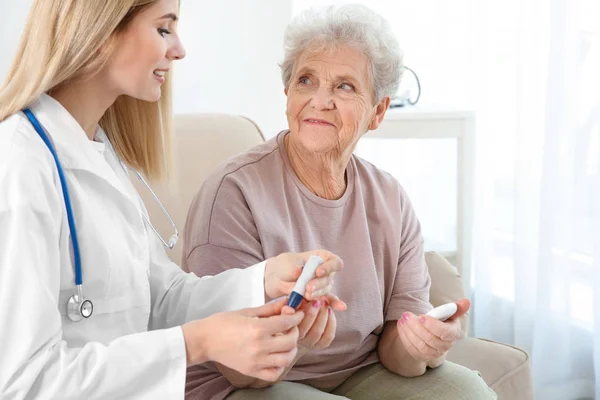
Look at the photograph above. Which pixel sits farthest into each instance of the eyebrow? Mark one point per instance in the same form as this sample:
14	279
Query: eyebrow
311	71
170	16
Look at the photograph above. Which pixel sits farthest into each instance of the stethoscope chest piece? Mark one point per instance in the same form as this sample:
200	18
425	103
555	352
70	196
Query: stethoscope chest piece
78	308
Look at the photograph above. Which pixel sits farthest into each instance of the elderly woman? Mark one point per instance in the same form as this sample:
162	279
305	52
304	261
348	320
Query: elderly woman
305	189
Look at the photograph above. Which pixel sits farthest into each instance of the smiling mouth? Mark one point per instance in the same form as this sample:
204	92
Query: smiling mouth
313	121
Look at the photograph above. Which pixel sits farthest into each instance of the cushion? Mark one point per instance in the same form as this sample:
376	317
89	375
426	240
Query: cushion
506	369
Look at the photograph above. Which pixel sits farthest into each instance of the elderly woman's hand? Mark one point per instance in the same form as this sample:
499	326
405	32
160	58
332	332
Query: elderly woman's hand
282	272
428	340
317	329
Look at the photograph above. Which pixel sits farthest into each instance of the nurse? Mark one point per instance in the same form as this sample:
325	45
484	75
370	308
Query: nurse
90	305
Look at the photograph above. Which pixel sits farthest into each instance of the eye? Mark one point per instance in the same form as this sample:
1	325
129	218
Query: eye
346	86
162	32
305	80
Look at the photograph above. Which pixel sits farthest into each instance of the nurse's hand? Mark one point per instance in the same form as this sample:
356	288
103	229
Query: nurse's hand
258	342
316	331
282	272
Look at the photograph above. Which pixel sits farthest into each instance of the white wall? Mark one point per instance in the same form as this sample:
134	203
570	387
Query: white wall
436	38
14	14
233	50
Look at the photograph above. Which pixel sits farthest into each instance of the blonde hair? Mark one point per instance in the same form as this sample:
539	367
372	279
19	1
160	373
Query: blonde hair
60	44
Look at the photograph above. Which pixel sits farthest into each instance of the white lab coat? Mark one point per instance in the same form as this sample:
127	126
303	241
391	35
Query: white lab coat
132	346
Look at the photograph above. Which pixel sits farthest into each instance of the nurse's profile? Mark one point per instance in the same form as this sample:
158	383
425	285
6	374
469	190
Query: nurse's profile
90	305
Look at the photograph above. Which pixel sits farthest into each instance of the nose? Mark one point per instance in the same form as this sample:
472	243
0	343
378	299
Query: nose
322	99
176	51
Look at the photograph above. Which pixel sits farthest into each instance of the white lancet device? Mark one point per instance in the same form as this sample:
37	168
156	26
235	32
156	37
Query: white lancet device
308	273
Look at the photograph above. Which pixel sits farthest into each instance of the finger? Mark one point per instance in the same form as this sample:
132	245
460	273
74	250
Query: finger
316	284
408	346
292	263
463	306
318	287
331	262
279	360
280	323
269	374
318	327
311	310
449	330
330	266
325	291
281	343
267	310
425	351
334	302
329	332
287	310
433	341
409	320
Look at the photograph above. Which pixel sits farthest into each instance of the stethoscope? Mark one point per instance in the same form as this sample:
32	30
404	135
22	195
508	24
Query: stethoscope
77	306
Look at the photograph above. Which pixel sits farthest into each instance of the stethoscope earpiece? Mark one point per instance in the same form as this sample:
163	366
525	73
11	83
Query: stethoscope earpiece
173	241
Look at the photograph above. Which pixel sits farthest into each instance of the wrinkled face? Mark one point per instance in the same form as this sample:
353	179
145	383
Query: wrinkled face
145	51
330	102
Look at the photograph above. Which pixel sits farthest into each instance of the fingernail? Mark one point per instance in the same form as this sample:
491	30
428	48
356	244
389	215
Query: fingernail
422	319
317	304
406	316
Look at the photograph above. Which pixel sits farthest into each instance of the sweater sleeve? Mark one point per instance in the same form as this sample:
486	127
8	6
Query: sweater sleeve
220	231
412	282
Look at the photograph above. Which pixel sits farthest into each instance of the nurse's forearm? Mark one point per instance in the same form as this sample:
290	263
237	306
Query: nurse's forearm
393	354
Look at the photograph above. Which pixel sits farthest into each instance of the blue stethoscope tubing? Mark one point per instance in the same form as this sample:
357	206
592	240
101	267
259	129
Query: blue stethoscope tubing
80	302
63	183
78	307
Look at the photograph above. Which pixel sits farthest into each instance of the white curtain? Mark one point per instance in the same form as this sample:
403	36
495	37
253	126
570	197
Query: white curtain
537	231
531	71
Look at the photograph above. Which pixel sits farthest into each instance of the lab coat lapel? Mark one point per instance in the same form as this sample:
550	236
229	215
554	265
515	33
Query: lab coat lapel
75	150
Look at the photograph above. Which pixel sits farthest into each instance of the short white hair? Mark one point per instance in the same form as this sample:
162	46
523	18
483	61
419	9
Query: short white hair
350	25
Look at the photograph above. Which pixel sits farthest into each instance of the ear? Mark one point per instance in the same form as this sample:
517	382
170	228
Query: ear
285	91
380	110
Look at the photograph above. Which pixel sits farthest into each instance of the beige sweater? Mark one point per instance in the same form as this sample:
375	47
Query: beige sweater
254	207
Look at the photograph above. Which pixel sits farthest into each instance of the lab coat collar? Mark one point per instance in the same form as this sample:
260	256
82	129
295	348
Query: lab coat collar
73	147
75	150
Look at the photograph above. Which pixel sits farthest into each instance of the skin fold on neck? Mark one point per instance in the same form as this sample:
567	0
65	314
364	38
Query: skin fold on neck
322	174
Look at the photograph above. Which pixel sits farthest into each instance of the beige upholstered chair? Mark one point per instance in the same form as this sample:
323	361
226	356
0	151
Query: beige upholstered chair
203	141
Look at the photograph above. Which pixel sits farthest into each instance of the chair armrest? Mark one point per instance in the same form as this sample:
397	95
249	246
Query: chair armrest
446	284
